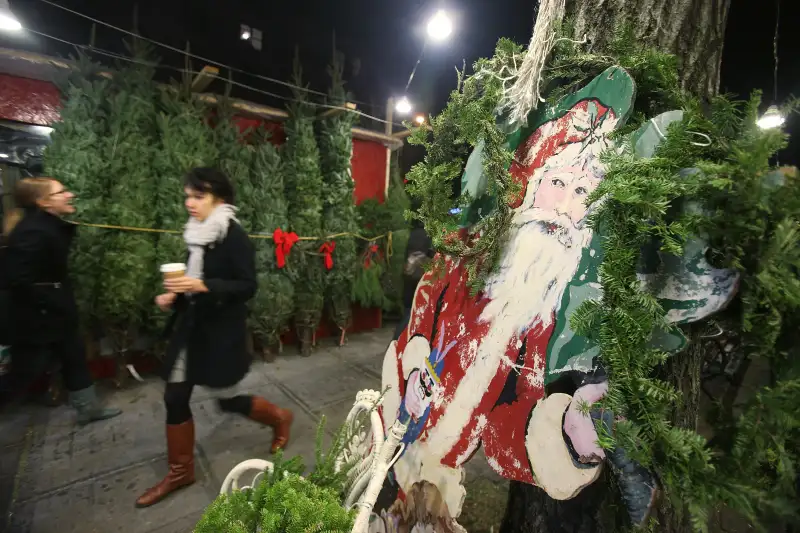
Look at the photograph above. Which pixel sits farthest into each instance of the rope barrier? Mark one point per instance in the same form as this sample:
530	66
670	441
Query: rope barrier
387	235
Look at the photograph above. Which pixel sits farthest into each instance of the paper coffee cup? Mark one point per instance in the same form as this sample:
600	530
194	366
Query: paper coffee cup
173	270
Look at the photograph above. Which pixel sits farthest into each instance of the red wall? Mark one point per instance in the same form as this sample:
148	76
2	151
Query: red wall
26	100
369	170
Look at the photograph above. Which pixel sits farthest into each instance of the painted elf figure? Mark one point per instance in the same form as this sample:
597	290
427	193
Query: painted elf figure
508	343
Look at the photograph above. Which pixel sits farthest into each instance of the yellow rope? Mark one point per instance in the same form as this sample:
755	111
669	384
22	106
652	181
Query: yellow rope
387	235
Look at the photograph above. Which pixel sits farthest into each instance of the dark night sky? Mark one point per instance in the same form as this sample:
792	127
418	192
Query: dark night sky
383	36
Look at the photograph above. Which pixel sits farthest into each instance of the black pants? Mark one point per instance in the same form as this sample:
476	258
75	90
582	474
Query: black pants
30	361
178	395
403	323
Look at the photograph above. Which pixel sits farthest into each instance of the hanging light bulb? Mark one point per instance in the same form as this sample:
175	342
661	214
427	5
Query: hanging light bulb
8	21
440	26
771	119
403	106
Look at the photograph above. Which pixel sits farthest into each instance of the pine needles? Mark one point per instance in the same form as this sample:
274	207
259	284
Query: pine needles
284	501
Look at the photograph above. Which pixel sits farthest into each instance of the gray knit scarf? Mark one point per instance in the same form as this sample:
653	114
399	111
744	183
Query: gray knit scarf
198	235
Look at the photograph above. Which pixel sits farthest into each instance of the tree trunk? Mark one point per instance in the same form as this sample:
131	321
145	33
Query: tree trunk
693	30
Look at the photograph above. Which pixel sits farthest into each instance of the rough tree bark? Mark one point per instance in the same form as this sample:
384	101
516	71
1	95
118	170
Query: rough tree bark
694	31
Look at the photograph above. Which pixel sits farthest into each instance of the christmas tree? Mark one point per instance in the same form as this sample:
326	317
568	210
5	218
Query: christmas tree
234	159
336	148
77	159
186	142
304	194
274	303
130	149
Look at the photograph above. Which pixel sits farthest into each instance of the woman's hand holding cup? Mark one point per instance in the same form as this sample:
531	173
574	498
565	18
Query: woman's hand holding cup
165	301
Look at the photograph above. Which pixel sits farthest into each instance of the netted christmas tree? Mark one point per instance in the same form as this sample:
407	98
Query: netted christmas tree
304	194
77	159
234	159
336	150
130	149
273	305
186	142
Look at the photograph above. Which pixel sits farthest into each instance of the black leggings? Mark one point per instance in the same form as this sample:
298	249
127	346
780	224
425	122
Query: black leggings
178	395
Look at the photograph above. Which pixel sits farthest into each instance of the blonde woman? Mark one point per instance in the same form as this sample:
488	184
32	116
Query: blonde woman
43	316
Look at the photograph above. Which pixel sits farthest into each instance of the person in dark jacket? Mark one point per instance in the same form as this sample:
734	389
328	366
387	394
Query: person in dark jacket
43	313
419	252
208	328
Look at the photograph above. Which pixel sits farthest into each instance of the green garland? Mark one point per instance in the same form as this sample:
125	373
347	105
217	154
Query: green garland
468	119
752	225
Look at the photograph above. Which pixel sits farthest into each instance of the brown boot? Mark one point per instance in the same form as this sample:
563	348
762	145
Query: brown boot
280	420
180	454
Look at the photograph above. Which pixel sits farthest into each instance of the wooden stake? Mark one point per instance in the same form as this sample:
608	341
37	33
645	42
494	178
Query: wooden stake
348	106
204	78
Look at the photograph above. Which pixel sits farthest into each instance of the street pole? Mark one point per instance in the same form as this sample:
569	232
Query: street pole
389	130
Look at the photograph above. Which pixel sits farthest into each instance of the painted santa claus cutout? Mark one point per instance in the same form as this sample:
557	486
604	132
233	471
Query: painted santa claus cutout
471	371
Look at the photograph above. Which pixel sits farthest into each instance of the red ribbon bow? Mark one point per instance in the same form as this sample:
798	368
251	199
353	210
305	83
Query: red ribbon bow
371	252
327	249
283	245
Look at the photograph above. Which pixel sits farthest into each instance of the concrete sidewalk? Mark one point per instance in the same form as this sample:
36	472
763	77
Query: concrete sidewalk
61	479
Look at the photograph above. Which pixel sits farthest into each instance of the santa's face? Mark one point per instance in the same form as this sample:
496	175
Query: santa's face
558	205
550	230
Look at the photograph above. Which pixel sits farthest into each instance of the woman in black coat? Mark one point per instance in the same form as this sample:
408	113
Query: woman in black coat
208	328
43	315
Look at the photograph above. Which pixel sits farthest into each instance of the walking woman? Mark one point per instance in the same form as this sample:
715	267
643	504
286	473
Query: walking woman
208	327
43	313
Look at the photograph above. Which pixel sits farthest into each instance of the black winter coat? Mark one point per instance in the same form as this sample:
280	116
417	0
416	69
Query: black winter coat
212	326
42	304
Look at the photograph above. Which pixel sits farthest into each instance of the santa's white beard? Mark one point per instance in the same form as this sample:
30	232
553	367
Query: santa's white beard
536	268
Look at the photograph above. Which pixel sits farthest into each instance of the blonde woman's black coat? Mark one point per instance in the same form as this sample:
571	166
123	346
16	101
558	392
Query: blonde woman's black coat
36	273
212	326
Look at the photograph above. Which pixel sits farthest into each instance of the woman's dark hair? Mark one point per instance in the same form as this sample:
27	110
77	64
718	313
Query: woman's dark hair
210	180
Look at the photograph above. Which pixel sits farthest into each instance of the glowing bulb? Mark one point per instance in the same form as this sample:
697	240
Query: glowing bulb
420	119
771	119
8	21
440	26
403	106
245	35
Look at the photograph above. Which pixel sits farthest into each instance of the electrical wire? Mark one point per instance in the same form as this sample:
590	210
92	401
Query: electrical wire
100	51
195	56
775	49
